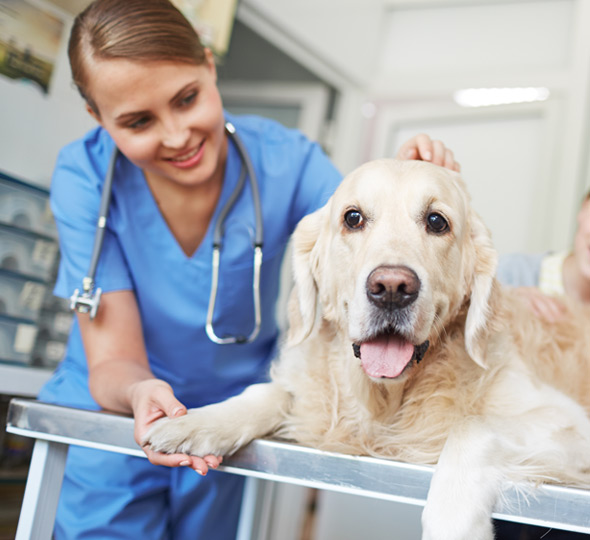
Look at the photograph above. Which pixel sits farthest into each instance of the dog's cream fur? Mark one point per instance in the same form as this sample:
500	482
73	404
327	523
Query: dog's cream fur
499	395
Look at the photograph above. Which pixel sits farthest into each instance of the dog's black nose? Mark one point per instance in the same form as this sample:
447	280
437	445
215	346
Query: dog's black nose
393	287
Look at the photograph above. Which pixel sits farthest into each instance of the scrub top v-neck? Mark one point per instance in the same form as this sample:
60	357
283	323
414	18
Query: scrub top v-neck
151	218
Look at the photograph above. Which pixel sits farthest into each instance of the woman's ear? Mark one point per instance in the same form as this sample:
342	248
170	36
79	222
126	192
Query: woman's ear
93	113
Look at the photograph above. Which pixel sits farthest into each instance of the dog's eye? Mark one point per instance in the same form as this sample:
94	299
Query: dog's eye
354	219
436	223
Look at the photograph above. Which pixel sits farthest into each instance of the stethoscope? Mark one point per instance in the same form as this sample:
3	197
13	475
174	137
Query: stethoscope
88	300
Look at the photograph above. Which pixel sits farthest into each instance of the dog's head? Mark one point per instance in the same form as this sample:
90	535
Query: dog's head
391	260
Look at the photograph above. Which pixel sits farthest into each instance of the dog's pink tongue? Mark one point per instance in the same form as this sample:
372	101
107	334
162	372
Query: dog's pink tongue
386	356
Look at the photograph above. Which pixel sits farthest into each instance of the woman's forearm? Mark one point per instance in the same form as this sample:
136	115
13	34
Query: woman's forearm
113	382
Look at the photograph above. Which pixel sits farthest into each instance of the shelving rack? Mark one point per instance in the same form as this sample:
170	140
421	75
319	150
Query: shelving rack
33	323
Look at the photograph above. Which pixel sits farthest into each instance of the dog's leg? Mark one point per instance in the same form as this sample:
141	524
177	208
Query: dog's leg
465	486
222	428
538	434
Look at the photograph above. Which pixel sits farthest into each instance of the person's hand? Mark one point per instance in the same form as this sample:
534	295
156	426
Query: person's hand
422	147
152	399
545	307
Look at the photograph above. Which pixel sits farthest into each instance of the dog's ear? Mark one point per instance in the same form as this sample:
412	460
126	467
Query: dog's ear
483	260
304	297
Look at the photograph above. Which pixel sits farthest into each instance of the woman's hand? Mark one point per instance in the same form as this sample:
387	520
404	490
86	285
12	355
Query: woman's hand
120	378
152	399
545	307
422	147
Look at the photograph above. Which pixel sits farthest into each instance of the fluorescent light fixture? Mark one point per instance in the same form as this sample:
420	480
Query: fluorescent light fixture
485	97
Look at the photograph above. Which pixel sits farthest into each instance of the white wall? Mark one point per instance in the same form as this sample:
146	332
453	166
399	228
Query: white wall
348	517
444	45
344	34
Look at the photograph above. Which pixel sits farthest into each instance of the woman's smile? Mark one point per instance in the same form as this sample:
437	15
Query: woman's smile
188	159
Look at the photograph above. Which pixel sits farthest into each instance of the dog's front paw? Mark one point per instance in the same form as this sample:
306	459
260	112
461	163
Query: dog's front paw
441	522
197	433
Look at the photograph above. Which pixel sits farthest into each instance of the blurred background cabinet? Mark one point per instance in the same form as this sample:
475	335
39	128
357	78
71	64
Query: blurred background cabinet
33	323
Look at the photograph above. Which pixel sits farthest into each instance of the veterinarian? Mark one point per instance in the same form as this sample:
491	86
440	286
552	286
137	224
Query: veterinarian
145	349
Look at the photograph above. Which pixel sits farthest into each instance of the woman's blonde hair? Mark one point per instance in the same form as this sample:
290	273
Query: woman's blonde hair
138	30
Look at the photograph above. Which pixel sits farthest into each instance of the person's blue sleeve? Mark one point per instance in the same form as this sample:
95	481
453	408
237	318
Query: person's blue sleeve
319	180
297	169
520	269
75	198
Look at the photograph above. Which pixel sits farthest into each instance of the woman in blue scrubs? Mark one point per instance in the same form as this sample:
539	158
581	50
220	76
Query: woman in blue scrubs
151	87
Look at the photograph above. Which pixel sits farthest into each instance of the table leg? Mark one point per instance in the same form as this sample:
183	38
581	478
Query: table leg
42	491
256	512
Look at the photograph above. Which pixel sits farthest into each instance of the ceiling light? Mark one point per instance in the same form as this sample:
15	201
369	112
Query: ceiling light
485	97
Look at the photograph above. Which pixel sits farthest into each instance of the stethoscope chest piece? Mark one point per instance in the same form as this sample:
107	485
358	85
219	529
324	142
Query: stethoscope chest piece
86	302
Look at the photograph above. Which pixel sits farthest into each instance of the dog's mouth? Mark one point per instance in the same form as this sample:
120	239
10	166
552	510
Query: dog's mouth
387	355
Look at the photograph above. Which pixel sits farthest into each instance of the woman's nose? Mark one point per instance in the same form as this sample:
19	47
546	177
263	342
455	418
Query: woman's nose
175	134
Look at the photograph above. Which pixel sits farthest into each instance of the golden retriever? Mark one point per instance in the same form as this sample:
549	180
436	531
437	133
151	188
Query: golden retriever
403	345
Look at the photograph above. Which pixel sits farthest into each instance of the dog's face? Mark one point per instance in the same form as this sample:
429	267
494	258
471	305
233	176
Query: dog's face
391	258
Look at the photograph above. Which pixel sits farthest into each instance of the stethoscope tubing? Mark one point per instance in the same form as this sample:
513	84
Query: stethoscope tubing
245	158
103	213
258	244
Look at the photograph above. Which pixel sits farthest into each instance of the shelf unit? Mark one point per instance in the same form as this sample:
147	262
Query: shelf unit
33	323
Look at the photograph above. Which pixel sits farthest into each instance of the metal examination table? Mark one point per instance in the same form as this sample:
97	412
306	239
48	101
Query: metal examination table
263	462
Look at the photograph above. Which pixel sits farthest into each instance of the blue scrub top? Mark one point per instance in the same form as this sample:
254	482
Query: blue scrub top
172	290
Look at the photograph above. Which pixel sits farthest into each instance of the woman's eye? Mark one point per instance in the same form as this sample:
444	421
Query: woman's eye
139	123
436	223
354	219
188	99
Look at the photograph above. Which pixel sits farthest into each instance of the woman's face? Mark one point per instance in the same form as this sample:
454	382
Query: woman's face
582	241
166	117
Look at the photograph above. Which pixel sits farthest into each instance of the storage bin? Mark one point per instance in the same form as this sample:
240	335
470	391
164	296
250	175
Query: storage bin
27	253
25	206
21	296
17	340
52	336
